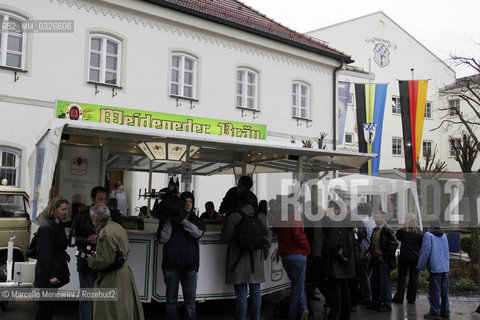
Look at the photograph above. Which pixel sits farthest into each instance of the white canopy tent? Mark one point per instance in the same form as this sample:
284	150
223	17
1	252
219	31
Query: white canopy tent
215	154
358	184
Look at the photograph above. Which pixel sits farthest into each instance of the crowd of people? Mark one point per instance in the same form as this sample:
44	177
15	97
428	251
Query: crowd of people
348	260
102	258
353	259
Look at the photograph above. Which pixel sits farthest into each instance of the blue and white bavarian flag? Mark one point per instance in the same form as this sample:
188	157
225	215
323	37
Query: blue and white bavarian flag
370	100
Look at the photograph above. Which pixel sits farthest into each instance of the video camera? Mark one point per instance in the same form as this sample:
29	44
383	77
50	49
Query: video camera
83	253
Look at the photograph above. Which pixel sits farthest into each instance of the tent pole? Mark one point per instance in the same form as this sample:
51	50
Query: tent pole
149	201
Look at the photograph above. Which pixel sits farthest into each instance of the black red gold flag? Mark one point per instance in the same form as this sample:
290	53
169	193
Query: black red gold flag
413	99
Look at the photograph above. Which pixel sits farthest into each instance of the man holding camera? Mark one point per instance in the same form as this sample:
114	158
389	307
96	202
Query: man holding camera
111	263
85	238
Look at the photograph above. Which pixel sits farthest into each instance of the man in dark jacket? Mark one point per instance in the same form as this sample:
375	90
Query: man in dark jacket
245	269
230	202
84	237
181	257
383	245
340	261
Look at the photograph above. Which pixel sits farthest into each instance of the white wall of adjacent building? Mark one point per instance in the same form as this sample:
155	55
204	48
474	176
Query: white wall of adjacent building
358	37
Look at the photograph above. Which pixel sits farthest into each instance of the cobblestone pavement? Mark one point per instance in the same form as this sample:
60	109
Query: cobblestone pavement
461	307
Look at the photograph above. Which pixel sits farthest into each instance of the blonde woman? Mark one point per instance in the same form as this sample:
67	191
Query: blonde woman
51	270
411	238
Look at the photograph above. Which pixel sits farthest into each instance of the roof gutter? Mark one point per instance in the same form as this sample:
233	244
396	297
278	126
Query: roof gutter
327	53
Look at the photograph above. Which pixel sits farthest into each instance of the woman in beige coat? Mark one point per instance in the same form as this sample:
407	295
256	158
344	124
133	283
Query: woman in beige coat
112	238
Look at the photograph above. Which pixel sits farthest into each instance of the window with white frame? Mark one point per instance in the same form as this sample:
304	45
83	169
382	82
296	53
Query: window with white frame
428	110
247	88
427	149
397	149
104	59
10	165
396	108
348	138
452	106
12	41
183	76
452	143
350	98
300	100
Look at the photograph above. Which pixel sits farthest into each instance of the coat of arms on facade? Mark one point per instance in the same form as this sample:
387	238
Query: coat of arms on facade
381	54
369	130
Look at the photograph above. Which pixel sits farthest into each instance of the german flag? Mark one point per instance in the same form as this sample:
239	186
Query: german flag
413	99
370	101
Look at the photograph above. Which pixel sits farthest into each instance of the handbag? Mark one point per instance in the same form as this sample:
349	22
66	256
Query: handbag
117	263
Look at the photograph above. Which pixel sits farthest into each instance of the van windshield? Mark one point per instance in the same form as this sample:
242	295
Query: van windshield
12	206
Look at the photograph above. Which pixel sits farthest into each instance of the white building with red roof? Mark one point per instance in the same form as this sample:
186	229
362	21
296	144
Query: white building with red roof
384	52
211	59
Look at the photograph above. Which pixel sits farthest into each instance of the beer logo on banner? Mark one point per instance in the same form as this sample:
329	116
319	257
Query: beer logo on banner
381	55
369	130
74	112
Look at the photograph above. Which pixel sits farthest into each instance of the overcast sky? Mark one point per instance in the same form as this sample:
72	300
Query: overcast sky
443	26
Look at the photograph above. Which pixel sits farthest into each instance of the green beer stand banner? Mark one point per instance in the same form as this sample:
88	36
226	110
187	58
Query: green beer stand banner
149	119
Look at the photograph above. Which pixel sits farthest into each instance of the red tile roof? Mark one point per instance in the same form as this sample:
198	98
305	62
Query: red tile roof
238	15
444	174
472	81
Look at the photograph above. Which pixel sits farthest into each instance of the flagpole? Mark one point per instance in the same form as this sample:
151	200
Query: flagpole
410	175
369	70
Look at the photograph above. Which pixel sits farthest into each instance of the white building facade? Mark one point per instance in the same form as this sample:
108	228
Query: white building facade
158	57
387	53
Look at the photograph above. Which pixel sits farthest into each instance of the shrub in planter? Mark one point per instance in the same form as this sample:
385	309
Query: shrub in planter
394	274
466	243
423	277
466	284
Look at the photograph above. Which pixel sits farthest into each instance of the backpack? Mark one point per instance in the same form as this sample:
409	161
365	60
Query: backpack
248	237
31	251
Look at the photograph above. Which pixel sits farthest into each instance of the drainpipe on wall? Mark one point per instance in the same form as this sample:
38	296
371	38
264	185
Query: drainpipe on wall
335	103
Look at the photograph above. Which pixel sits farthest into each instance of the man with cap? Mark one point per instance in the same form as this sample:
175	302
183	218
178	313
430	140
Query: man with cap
181	256
231	202
121	197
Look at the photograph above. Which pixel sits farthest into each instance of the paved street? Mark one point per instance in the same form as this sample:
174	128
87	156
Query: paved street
461	307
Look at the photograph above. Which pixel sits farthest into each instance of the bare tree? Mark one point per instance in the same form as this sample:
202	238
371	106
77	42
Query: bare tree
466	90
432	170
466	120
466	151
433	167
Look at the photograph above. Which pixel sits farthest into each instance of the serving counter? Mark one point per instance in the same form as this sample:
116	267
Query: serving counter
145	260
